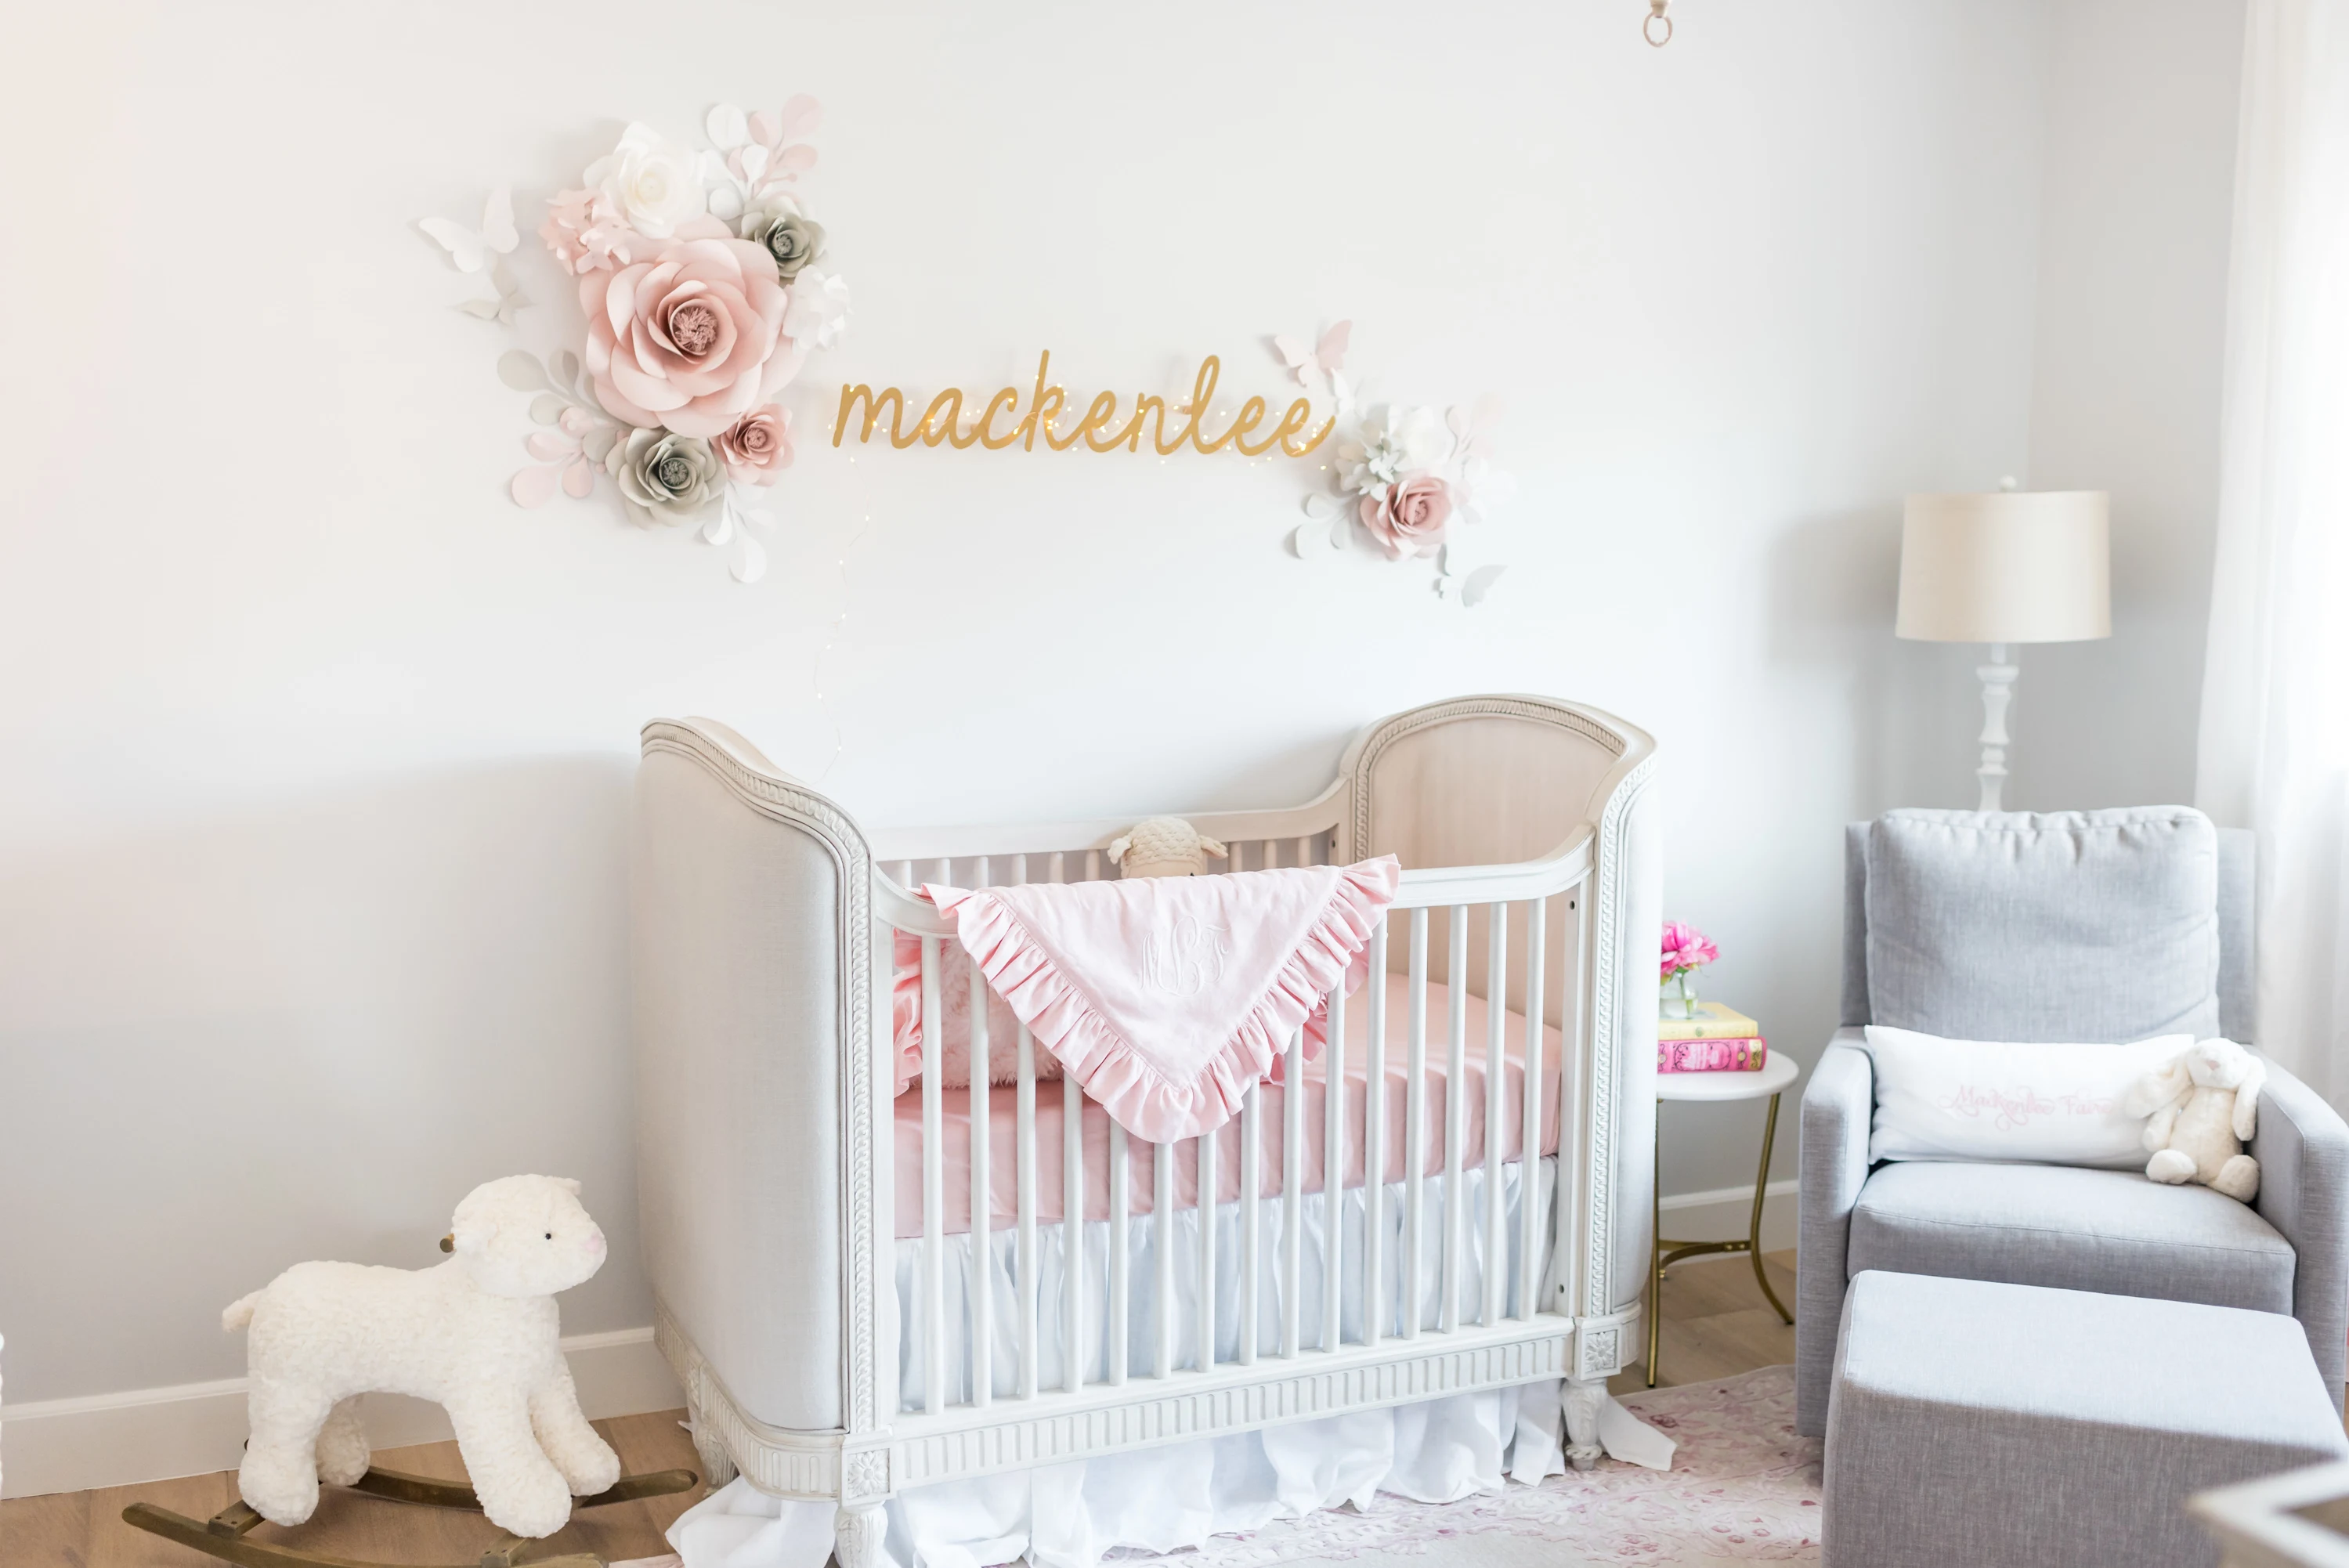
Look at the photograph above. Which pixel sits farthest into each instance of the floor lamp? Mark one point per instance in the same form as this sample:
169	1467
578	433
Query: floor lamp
2010	567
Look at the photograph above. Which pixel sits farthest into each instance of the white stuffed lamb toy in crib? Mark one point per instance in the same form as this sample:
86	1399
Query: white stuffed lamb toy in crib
477	1335
2202	1107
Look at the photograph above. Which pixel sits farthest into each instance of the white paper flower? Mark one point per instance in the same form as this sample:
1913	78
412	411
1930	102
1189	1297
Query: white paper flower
656	185
1391	444
818	312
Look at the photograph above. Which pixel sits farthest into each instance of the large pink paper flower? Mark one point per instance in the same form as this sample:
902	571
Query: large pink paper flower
690	338
1408	517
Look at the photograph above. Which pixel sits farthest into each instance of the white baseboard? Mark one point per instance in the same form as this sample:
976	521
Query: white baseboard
1724	1212
150	1434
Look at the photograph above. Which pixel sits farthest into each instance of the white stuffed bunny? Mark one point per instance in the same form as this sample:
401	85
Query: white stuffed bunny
1162	846
2203	1107
477	1335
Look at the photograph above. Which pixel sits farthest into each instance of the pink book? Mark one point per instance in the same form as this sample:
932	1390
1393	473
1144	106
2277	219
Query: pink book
1710	1056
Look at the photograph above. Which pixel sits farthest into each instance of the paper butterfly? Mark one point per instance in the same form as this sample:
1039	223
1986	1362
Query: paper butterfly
510	296
1472	586
471	248
1324	358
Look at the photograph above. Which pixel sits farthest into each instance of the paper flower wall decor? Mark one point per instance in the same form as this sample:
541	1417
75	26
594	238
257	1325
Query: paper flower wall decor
1405	477
701	296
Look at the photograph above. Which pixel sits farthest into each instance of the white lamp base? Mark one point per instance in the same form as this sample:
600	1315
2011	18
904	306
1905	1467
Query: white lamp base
1998	690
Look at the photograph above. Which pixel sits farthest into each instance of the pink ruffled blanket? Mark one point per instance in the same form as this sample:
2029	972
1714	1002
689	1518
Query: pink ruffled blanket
1167	997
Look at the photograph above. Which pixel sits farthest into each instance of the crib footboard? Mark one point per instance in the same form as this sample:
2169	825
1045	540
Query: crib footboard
764	933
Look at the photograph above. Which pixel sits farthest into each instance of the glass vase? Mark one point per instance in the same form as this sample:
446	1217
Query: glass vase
1680	996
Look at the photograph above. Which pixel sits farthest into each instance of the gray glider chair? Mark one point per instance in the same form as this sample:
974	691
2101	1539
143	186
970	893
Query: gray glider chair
2099	926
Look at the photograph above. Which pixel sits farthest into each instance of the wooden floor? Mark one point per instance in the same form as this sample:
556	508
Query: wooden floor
1715	1324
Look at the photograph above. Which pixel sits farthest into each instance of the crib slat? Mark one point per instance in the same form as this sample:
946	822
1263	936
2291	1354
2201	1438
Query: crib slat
1162	1257
1496	1071
1072	1226
1375	1306
982	1189
1210	1185
1251	1213
1092	865
1455	1119
1333	1171
1120	1198
1529	1236
1027	1282
1573	1056
934	1188
1305	851
1414	1123
1292	1191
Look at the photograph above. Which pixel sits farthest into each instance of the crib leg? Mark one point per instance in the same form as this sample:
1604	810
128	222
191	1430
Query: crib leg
1582	1402
857	1530
717	1464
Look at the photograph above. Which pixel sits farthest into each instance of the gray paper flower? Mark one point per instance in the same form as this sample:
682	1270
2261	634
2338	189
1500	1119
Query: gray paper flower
665	478
791	239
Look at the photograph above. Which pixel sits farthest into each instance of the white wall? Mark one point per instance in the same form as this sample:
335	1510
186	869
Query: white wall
316	752
2139	188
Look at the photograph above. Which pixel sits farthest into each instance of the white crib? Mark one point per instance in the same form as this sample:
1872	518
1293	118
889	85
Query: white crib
769	1134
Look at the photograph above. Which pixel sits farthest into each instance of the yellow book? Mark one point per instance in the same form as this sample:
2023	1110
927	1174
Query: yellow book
1712	1022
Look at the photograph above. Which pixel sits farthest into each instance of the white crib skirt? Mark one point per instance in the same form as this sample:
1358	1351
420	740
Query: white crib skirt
1176	1495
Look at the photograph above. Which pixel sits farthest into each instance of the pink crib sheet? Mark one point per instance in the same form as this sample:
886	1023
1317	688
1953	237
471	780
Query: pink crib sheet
1003	1125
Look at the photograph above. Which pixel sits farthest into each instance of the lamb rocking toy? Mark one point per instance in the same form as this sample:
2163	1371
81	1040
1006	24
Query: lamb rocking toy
478	1334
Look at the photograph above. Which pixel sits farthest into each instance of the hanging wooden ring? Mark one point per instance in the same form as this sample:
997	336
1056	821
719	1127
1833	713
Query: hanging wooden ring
1656	14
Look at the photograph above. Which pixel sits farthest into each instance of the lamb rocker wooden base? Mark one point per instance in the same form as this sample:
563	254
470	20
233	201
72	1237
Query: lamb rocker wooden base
224	1535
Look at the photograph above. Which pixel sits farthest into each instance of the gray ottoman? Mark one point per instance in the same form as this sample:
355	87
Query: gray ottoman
2016	1426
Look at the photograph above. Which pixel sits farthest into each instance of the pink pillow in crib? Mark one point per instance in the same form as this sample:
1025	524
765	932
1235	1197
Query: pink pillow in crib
954	1015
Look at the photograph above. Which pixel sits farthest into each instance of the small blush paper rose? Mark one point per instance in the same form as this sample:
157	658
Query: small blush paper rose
757	448
688	338
665	478
584	232
652	184
1409	517
793	240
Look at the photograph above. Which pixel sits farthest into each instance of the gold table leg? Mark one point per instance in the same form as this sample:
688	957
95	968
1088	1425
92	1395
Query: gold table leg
1663	1253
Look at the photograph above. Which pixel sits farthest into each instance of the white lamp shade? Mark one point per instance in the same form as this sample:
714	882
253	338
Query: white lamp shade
2012	566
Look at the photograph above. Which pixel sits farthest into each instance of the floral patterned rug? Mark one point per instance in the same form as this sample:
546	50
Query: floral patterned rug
1743	1488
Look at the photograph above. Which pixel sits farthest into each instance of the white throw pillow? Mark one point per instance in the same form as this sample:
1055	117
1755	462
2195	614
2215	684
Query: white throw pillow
1993	1100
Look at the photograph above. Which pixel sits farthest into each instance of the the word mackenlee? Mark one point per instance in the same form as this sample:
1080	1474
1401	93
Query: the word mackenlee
941	423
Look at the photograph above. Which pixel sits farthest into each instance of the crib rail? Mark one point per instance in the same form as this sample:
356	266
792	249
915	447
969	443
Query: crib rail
1059	1317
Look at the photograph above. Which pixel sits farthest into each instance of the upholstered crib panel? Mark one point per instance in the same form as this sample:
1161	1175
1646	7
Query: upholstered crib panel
739	990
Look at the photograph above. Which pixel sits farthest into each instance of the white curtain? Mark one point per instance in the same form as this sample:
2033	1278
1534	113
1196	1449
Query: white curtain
2274	743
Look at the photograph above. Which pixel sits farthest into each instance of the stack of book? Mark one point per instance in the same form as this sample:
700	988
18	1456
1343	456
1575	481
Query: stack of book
1717	1040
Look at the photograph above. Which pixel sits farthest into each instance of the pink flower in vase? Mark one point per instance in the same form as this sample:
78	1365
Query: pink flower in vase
1686	949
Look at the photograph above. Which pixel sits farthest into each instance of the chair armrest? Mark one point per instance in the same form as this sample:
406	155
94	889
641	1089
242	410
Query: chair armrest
2303	1148
1839	1107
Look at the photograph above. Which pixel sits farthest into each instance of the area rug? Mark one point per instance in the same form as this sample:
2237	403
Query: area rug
1743	1487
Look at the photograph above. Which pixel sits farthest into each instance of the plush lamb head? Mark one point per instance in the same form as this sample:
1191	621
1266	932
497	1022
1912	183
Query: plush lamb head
476	1335
1162	846
2202	1107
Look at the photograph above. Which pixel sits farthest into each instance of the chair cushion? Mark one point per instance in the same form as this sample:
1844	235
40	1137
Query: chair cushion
1981	1423
2074	1229
2075	925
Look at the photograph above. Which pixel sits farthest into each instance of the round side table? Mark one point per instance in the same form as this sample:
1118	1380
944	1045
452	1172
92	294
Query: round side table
1769	1083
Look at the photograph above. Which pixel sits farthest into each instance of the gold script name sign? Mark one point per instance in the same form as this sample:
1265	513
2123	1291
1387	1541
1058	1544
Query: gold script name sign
941	423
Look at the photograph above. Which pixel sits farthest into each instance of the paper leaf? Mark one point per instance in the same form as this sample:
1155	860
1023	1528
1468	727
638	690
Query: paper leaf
750	161
800	116
720	527
1479	583
725	202
1322	507
522	371
797	158
727	127
566	367
1306	538
753	564
766	129
579	480
548	409
574	420
598	442
483	309
549	448
533	486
